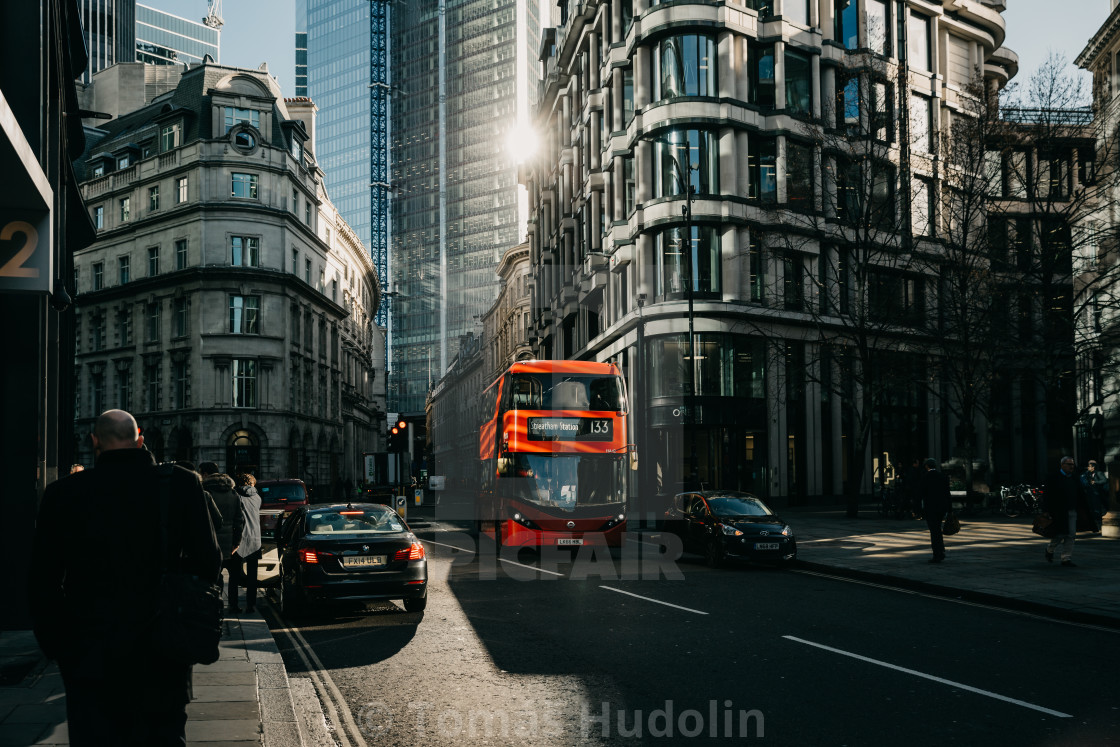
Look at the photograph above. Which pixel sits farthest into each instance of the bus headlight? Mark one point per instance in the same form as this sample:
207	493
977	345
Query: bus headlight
524	521
613	522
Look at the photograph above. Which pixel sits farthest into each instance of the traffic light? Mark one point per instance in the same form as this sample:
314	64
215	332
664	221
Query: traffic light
398	436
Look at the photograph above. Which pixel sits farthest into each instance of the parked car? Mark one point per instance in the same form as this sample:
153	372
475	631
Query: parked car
279	498
355	551
728	525
268	569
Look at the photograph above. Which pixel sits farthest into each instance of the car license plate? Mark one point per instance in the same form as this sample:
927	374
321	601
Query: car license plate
363	561
569	541
766	545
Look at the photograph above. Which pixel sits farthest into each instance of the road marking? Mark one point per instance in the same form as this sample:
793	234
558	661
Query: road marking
656	601
931	677
328	691
504	560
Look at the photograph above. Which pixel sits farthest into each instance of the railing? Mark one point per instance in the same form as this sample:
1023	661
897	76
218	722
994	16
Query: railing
1081	115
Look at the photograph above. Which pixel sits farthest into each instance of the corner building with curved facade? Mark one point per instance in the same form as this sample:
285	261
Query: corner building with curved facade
226	303
739	100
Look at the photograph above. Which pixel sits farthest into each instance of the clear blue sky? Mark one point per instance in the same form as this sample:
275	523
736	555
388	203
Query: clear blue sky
259	31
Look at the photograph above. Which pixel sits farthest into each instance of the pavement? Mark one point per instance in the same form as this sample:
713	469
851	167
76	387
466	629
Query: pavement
245	698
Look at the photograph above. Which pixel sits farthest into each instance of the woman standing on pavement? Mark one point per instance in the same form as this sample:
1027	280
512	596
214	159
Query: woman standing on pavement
249	550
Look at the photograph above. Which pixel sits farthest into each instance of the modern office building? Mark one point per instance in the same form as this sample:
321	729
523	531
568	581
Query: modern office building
166	39
716	182
301	48
225	302
109	29
463	83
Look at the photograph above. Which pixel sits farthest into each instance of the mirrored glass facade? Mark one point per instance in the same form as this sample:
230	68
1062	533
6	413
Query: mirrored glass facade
166	39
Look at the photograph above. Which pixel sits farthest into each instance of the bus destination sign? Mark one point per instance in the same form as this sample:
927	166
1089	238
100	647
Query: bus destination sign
570	429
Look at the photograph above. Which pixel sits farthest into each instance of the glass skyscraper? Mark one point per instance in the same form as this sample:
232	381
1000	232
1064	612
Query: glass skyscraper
337	37
166	39
109	30
462	83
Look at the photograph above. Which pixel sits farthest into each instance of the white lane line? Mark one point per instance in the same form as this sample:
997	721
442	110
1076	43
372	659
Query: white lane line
504	560
923	675
347	717
656	601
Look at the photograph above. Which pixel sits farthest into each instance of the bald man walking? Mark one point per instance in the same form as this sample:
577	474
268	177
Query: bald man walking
96	567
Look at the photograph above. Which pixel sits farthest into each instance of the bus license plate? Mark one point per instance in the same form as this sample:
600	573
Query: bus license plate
766	545
569	541
363	561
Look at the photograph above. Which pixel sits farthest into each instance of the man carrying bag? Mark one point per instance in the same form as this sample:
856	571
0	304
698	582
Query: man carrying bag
97	583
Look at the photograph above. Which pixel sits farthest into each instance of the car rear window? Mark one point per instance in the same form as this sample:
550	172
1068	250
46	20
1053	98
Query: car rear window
280	493
356	521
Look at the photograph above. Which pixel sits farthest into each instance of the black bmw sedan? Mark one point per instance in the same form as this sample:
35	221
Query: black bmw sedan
729	525
353	551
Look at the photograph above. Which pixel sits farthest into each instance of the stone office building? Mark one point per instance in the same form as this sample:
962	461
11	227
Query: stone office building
225	303
748	103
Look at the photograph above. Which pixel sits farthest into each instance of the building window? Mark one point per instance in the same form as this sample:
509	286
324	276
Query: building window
673	264
334	290
294	310
98	170
307	212
123	162
882	111
180	318
297	150
921	124
181	189
124	389
244	186
153	198
307	271
125	203
882	195
799	176
97	332
878	32
680	152
244	140
685	65
793	278
153	261
99	217
232	115
917	41
181	381
97	393
295	261
98	275
244	313
923	208
627	96
152	319
845	15
124	265
760	74
630	188
169	137
124	326
295	201
181	254
762	169
896	298
799	82
151	385
245	251
244	382
757	270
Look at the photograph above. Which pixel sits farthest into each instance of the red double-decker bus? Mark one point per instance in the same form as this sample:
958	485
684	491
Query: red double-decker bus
555	456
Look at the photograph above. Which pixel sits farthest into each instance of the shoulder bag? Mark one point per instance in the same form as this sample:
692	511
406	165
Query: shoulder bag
1042	524
952	525
188	624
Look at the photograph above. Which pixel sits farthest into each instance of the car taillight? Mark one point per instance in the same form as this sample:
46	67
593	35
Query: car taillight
309	556
415	551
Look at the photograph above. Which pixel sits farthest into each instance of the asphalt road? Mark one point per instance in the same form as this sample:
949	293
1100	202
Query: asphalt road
626	650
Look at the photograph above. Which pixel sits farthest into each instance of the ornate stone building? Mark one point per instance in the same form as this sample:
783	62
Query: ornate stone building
225	303
693	217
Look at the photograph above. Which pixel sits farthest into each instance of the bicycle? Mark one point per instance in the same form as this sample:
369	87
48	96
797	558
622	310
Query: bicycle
891	503
1019	499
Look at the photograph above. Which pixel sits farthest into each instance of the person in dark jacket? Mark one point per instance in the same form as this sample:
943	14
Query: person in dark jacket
1064	495
1096	493
248	550
92	588
221	488
936	502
